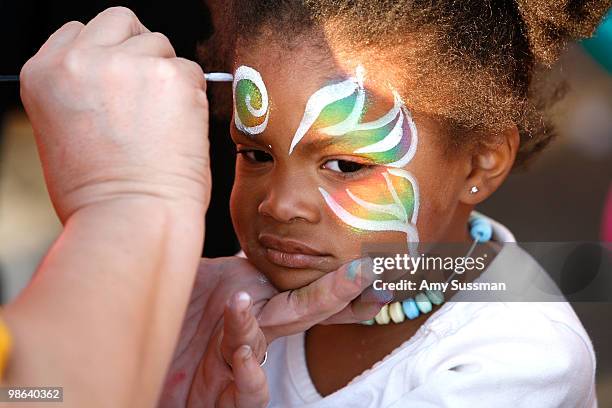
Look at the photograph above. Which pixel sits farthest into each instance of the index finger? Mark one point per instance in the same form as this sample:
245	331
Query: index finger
111	27
295	311
250	379
250	386
63	36
241	328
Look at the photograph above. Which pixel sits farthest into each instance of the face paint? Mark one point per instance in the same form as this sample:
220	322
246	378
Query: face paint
251	104
336	110
327	96
392	205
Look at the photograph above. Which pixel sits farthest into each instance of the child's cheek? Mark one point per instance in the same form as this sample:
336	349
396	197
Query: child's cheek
243	209
386	201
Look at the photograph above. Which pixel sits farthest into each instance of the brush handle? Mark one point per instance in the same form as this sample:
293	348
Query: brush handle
218	77
9	78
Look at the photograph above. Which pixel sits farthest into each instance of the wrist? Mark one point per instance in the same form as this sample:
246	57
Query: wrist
181	196
173	226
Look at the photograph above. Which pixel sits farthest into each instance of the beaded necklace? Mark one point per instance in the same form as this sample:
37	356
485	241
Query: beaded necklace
396	312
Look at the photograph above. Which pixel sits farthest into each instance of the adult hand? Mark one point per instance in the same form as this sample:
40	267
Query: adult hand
116	114
200	374
121	126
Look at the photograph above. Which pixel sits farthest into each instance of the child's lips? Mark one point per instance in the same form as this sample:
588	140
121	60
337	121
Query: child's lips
296	261
292	254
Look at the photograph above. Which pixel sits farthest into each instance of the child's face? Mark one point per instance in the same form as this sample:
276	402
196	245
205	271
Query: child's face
334	160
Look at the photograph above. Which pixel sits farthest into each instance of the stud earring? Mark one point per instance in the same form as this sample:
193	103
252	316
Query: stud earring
474	190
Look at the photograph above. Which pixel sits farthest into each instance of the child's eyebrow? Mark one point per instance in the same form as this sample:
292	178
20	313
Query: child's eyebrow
320	143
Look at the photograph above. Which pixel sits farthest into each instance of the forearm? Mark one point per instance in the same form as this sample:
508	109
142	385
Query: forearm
110	295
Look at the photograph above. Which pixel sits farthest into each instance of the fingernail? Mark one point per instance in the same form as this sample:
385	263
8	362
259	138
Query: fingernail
353	268
384	296
245	352
377	297
242	301
357	266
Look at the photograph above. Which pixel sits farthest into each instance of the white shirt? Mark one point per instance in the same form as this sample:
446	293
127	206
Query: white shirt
466	354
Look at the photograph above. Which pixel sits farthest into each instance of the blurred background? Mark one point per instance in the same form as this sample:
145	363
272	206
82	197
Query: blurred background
563	196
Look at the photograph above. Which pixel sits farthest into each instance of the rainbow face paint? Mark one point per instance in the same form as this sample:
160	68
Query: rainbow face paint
392	200
251	103
336	111
392	204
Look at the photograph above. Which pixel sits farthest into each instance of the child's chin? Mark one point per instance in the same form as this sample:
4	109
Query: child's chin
287	279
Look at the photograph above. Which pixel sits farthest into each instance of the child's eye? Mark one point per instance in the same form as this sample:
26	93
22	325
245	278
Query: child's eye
344	166
257	156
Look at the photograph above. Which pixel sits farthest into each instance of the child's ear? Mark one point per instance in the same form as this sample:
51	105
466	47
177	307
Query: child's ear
491	163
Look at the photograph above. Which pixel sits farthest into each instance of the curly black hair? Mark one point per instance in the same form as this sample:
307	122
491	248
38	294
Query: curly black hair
474	64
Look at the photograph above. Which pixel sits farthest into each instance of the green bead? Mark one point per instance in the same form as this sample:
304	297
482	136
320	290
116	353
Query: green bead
435	296
423	303
368	322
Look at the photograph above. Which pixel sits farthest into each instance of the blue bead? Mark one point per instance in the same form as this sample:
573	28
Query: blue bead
480	229
410	308
423	303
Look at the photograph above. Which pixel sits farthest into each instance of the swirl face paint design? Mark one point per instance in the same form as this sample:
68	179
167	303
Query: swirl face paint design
336	111
392	204
251	103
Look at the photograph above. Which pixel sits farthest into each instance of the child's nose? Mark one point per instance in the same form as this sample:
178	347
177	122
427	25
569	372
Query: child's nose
291	198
